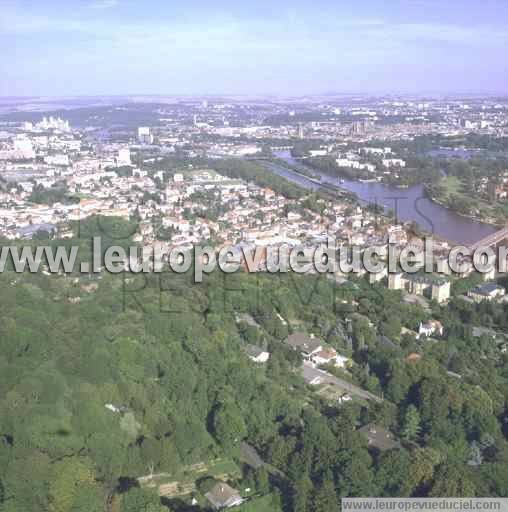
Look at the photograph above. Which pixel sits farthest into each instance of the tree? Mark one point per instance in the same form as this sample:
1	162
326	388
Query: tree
301	493
89	498
71	476
399	383
356	477
262	482
423	463
325	497
392	470
391	327
205	484
411	428
26	481
141	500
109	454
229	426
452	481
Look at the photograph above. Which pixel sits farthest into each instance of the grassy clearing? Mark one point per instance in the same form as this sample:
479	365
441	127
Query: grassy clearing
452	185
453	188
263	504
183	482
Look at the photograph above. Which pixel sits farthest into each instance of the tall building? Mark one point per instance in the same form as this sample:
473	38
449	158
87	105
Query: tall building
360	127
144	135
53	124
124	157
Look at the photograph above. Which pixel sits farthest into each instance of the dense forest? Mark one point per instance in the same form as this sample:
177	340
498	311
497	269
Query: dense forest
109	378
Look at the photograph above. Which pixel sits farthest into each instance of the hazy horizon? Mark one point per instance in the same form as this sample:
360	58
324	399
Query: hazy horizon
124	48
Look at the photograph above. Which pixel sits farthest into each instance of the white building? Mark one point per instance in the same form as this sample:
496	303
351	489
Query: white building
377	151
144	135
124	157
318	152
429	328
62	160
329	356
487	292
393	162
53	124
256	354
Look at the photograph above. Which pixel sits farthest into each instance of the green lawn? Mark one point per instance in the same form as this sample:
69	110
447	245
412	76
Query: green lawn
263	504
453	187
452	184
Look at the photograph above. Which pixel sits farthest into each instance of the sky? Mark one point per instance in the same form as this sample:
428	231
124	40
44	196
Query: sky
252	47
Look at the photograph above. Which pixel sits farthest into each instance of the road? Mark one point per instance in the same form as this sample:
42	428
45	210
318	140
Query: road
311	374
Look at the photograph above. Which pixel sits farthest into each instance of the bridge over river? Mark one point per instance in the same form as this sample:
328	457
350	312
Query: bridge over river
493	240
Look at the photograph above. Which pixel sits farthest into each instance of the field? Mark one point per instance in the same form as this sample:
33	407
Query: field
183	483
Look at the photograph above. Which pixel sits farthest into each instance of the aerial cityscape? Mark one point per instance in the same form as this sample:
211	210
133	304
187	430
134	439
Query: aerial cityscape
222	289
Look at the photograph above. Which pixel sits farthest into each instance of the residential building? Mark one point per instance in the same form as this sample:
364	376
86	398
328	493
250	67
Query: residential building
329	356
432	327
393	162
486	292
305	344
430	286
257	354
223	495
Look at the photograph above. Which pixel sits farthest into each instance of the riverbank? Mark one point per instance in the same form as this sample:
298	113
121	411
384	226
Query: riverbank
410	204
299	169
491	221
283	169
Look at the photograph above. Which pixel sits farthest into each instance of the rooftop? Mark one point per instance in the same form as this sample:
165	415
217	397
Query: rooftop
303	342
223	495
487	288
253	350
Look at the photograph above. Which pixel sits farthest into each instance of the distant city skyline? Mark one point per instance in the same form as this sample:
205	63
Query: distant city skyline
122	47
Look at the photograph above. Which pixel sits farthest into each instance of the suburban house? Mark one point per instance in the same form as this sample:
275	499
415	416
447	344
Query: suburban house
487	291
222	495
432	327
257	354
329	356
378	437
307	345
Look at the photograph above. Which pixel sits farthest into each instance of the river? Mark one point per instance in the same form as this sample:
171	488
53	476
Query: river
409	204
